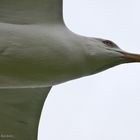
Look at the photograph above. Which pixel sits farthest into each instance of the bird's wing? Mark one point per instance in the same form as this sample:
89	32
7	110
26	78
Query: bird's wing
31	11
20	111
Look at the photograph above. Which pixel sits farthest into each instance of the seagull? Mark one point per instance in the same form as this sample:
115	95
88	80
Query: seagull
37	51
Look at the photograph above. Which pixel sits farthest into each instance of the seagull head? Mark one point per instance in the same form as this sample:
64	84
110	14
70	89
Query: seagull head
104	54
125	57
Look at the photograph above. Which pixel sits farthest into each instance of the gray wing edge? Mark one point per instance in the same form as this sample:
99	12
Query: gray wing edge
31	11
20	111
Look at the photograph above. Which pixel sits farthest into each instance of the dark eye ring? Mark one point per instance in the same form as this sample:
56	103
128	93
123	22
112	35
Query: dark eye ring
108	43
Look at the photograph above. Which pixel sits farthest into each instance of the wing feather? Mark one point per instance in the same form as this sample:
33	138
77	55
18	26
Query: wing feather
31	11
20	111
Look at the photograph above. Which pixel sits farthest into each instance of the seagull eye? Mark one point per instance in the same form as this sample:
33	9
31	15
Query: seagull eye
109	43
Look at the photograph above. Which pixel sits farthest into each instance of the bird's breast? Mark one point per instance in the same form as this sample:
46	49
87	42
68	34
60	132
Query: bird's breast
33	56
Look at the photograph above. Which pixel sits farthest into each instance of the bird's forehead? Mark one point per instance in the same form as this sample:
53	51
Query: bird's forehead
108	43
96	43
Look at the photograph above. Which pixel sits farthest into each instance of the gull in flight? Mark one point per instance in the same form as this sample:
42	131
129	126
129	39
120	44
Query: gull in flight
37	51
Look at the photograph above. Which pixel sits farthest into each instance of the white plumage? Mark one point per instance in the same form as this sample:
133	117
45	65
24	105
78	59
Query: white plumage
37	51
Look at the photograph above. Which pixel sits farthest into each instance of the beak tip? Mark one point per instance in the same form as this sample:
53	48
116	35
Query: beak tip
130	57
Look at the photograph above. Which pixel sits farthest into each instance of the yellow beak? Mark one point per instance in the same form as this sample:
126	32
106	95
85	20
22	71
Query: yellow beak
130	57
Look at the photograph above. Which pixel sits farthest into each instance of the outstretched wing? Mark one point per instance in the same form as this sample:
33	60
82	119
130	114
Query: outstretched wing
20	111
31	11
